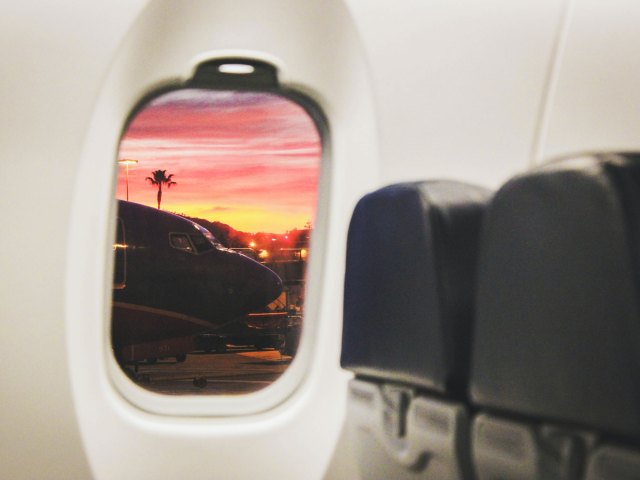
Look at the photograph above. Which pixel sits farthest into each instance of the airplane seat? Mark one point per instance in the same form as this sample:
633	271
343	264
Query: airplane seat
556	351
411	258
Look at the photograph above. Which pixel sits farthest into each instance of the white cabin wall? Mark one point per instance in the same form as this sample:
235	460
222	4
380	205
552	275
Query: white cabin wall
316	47
54	55
459	84
594	102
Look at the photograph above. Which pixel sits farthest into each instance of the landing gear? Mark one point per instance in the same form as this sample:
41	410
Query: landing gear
200	382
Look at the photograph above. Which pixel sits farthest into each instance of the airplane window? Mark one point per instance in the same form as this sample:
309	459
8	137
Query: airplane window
231	177
201	243
210	238
180	241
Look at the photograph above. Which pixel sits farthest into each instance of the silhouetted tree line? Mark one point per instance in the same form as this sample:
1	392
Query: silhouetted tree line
232	238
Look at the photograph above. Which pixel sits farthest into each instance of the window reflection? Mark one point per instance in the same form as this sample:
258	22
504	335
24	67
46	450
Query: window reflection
180	241
217	213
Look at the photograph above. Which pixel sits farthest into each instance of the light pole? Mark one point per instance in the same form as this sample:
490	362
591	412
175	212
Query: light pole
126	162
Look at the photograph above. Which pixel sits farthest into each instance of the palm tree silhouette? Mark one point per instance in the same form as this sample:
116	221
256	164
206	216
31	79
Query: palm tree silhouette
159	177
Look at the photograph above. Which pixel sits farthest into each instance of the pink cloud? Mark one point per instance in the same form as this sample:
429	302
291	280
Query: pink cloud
225	149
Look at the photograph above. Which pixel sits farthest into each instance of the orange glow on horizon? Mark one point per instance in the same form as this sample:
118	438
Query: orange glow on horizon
251	219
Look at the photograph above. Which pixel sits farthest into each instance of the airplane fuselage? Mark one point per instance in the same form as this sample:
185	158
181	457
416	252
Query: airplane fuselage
173	279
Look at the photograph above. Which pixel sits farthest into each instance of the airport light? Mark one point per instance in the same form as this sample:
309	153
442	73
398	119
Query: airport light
126	162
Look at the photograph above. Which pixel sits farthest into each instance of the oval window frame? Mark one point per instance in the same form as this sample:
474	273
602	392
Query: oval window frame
262	79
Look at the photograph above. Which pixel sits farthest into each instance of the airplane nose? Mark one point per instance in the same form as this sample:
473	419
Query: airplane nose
260	284
273	285
268	285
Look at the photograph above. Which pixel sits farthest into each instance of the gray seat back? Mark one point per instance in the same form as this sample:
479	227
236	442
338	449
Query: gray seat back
556	347
408	306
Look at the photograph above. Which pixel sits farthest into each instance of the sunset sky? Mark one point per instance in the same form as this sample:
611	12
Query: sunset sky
250	160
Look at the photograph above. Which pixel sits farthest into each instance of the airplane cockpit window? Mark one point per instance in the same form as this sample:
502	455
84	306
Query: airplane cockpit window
180	241
208	241
229	176
201	243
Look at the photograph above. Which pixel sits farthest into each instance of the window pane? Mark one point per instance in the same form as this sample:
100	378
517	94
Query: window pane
180	241
231	178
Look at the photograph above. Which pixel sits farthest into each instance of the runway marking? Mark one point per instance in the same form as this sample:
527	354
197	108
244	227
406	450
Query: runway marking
263	355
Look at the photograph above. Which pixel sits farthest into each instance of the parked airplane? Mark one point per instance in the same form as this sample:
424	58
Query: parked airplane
472	91
173	280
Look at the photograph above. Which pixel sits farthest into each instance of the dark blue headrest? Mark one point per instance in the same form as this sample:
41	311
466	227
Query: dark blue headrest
411	258
558	320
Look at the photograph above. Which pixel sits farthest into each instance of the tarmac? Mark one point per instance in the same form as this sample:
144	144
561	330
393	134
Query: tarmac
238	371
